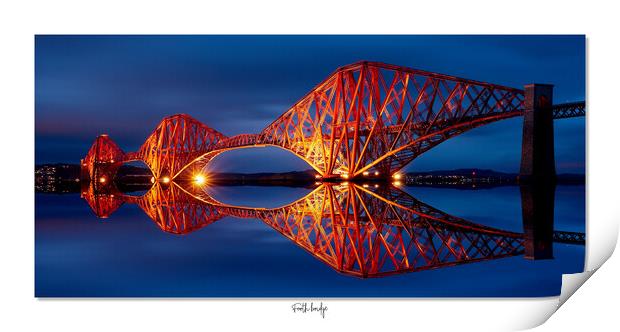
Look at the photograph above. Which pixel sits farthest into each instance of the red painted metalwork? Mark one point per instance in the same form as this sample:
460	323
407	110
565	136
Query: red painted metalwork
175	143
173	211
365	118
372	117
102	160
355	230
102	202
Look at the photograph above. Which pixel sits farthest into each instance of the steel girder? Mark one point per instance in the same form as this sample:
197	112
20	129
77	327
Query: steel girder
101	160
569	110
569	237
177	142
367	117
376	117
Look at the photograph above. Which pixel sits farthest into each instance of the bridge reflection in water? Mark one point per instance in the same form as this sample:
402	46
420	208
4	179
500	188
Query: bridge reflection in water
360	230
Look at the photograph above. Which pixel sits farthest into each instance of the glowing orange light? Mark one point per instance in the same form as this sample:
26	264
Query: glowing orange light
376	173
397	183
165	179
200	179
365	173
344	175
397	176
152	179
317	176
102	179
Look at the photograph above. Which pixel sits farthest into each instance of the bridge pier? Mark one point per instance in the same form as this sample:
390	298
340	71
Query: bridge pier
537	150
537	207
537	177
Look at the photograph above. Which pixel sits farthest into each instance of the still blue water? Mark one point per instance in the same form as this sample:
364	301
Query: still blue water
78	254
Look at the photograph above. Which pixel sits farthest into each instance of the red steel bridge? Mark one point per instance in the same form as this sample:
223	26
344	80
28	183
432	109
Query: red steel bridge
365	119
360	230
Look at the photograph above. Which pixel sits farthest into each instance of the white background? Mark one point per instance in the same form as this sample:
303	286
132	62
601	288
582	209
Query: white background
592	305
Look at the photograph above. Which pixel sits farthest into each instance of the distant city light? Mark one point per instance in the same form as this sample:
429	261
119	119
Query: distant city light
376	173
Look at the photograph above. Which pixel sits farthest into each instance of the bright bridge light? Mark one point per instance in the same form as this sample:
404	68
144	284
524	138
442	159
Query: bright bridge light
102	179
200	179
397	176
165	179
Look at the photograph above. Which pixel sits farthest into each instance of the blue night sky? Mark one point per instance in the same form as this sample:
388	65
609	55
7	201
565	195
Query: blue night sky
124	85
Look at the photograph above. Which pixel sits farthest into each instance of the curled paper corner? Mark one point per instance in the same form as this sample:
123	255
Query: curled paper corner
543	308
572	282
597	256
535	313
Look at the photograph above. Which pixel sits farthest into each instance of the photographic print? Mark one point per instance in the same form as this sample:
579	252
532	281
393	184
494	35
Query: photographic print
314	166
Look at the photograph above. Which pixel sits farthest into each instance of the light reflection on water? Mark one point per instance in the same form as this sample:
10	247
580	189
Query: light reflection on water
125	255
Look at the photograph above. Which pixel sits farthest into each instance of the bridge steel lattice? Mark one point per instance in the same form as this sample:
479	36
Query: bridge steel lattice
364	232
365	118
357	230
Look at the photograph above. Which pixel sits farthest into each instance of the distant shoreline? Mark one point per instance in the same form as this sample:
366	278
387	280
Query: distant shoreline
65	178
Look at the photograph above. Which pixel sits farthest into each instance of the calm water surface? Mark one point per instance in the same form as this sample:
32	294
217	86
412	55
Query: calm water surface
78	254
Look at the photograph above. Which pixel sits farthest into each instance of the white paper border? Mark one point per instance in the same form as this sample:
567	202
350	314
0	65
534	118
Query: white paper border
20	21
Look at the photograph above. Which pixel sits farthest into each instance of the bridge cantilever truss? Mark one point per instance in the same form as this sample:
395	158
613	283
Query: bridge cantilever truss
366	117
569	237
569	110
